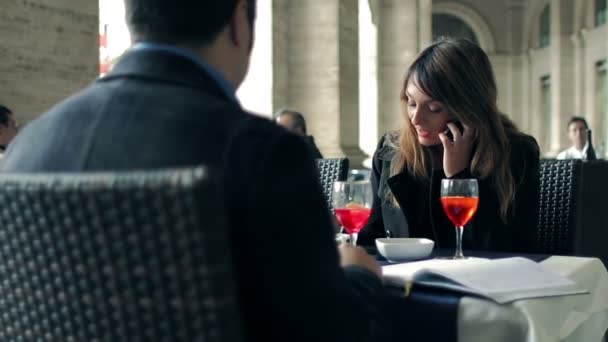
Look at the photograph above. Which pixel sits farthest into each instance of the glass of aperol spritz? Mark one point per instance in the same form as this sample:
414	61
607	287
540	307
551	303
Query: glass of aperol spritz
352	205
459	198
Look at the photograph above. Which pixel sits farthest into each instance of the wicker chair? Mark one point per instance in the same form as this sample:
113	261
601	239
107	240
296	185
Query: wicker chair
133	256
560	187
331	170
573	218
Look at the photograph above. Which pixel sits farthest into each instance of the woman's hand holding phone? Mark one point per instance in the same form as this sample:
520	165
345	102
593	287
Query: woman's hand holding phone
457	148
448	132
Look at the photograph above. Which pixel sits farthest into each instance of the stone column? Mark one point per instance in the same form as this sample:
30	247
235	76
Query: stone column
280	53
562	73
579	71
321	74
425	24
515	107
594	120
502	67
533	96
399	32
49	50
529	112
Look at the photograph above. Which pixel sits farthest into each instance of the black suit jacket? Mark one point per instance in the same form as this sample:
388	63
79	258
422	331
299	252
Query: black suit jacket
156	110
313	147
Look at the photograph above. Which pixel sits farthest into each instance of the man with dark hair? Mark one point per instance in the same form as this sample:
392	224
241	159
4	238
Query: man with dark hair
8	128
577	133
170	102
294	122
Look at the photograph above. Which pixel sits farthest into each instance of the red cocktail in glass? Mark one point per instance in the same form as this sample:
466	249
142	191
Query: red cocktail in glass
352	205
459	198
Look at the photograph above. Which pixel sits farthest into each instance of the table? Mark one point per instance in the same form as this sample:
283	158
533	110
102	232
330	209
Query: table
443	316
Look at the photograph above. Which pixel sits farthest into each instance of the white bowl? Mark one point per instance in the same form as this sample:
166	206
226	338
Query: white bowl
401	249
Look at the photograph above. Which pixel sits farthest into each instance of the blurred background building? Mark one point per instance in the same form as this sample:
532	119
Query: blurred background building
341	62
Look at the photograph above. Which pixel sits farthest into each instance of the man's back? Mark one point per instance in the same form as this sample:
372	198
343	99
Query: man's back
158	110
128	121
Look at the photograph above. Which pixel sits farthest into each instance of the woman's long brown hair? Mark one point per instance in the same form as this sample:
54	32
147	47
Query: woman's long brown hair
458	73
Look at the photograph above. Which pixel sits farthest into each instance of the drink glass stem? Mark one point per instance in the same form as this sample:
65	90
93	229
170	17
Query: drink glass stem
353	238
458	254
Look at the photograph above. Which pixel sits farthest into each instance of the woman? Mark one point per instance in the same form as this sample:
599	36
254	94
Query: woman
453	129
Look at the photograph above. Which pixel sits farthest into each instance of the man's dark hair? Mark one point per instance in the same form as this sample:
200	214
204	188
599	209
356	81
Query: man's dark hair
577	119
298	118
189	22
4	115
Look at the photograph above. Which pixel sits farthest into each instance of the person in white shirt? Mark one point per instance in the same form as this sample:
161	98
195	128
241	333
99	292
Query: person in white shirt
577	133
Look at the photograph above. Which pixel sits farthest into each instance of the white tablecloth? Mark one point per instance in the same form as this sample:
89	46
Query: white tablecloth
577	318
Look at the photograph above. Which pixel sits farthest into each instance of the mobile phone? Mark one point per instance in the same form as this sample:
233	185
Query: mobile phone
449	133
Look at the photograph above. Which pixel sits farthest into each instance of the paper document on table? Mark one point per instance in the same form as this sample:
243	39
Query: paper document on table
502	280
